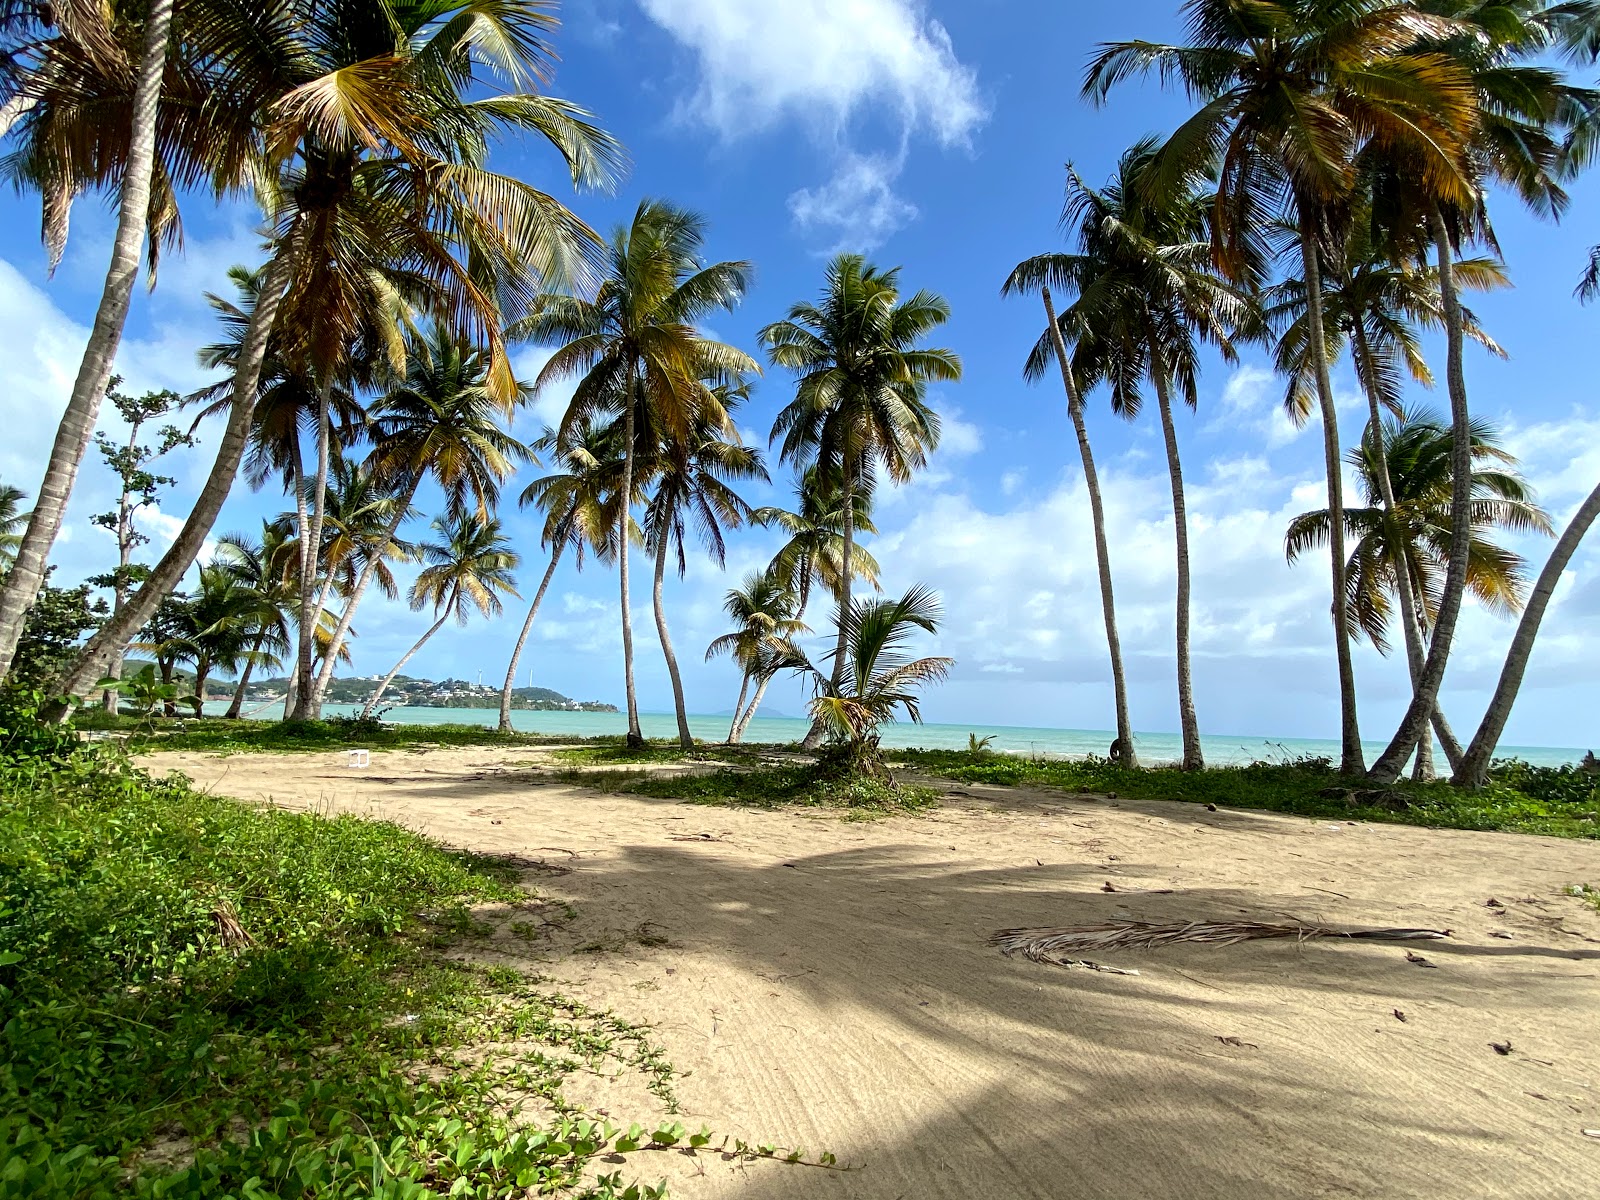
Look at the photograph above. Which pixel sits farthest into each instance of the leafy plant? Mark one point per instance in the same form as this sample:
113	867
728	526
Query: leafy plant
978	747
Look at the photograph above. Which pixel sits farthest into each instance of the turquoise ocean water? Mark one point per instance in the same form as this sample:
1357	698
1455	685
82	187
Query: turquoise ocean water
1153	747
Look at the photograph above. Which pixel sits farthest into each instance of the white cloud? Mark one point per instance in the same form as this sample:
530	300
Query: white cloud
958	438
858	204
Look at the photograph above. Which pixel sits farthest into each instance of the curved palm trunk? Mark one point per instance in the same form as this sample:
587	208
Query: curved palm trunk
372	702
1125	752
236	706
527	625
1193	757
755	703
26	575
685	738
1425	696
306	705
342	630
738	708
1351	759
180	556
635	737
1474	769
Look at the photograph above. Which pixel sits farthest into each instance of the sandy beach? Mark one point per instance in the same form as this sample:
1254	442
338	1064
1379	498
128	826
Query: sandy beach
825	984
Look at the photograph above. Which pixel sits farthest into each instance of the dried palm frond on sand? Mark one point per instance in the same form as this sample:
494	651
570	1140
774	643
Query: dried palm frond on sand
1062	945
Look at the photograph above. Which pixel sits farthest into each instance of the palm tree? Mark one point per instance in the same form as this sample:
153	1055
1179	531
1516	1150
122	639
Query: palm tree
468	569
374	162
692	484
12	522
1291	93
878	677
231	623
442	422
1374	303
860	396
635	350
41	55
766	616
814	553
262	567
1147	295
577	504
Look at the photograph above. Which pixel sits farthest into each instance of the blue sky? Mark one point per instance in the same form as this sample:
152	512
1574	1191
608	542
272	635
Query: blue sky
933	136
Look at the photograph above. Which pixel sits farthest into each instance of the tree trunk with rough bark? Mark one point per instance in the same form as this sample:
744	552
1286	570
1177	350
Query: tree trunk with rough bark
527	626
1425	697
1124	748
1474	769
1351	759
685	738
180	556
1194	758
307	705
372	701
738	708
755	703
27	572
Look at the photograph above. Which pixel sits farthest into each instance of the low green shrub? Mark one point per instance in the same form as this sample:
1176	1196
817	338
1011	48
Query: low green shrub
768	787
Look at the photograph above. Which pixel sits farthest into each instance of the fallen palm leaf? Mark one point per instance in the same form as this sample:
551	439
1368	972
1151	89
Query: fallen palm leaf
1049	945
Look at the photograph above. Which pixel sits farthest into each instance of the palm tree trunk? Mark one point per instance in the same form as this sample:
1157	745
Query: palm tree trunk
289	690
310	559
27	572
1473	771
635	737
180	556
236	707
1351	759
1193	757
1425	696
755	703
814	735
372	702
1124	750
522	638
738	707
342	630
685	738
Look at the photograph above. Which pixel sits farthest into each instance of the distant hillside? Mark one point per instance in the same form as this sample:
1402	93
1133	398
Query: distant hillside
409	691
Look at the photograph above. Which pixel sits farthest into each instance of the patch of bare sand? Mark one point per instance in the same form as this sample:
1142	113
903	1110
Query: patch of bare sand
826	985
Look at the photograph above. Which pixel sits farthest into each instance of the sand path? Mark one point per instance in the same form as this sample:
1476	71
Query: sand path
826	985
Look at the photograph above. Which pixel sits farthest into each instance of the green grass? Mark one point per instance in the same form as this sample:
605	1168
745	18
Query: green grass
1588	893
219	736
797	786
1564	802
204	999
616	752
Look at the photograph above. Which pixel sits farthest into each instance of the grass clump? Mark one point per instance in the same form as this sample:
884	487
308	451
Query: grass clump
1560	801
202	999
336	733
616	752
798	786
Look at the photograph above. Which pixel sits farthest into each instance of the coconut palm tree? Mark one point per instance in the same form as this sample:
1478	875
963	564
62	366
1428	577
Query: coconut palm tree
879	677
766	616
814	553
693	483
12	522
469	568
1122	749
1147	296
264	567
1291	93
1375	302
231	625
442	422
374	158
45	50
634	350
861	390
578	504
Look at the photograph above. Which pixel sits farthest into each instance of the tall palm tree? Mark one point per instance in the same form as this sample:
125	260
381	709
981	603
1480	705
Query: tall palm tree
43	54
635	350
577	502
232	625
374	167
1524	112
441	422
263	567
766	616
1146	296
861	391
1375	302
469	568
693	483
1412	539
1290	93
814	553
12	522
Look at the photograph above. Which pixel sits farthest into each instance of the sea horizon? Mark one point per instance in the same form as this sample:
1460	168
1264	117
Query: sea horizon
1041	741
